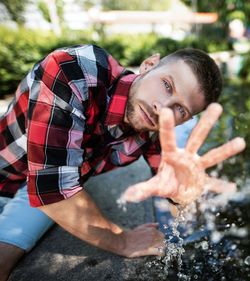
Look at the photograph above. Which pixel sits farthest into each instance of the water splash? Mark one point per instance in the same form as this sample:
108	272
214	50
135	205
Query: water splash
122	204
247	260
197	226
174	243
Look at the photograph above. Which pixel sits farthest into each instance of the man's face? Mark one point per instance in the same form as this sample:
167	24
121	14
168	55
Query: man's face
171	85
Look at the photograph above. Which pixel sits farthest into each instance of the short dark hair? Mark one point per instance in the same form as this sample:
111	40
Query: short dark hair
205	69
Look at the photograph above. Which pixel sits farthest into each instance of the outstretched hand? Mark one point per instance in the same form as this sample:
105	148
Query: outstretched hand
181	175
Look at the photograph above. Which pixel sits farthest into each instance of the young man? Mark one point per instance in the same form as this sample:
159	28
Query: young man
79	113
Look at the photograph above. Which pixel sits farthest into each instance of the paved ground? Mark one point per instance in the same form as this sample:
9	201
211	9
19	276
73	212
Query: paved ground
60	256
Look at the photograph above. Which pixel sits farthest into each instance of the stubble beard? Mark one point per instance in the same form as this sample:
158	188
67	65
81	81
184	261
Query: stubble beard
131	115
133	120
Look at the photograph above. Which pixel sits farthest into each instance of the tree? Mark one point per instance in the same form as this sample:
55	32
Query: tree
52	11
15	9
225	8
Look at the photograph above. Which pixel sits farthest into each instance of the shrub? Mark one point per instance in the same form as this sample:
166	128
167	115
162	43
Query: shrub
244	72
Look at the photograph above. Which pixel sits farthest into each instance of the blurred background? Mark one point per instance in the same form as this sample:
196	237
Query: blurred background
131	31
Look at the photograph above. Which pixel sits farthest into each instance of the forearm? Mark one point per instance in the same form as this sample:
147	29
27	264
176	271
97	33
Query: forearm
80	216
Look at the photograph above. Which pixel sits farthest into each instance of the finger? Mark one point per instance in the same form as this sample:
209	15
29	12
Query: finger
202	129
222	152
156	250
220	186
150	224
173	210
167	133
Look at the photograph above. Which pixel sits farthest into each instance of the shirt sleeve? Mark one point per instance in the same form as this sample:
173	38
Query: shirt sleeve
152	154
56	125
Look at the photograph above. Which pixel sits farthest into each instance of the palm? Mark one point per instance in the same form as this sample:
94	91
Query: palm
181	175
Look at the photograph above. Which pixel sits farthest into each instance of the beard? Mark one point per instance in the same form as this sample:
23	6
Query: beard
131	114
132	118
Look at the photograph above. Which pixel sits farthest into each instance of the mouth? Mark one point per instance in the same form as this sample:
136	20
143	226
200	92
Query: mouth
146	116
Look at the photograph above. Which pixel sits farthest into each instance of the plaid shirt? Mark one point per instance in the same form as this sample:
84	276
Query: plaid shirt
65	124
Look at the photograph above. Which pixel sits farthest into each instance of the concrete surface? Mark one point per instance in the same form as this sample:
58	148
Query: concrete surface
60	256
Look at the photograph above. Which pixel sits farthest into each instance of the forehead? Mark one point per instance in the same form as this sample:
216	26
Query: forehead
185	82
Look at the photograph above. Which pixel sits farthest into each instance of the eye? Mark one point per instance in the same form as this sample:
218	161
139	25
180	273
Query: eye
181	110
167	86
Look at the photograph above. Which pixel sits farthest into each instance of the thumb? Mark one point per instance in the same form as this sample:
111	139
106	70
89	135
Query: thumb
141	191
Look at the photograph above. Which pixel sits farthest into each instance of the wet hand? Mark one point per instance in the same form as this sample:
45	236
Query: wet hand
181	175
143	240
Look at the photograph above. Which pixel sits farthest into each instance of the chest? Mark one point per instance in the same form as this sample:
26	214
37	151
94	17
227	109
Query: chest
103	141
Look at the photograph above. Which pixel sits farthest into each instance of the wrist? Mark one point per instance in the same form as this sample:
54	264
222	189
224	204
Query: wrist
113	240
122	244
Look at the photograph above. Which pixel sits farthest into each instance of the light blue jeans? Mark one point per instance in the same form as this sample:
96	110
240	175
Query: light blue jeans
20	224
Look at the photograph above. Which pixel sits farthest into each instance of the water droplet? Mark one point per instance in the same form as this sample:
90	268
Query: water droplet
204	245
233	247
197	245
161	250
247	260
149	264
122	204
216	236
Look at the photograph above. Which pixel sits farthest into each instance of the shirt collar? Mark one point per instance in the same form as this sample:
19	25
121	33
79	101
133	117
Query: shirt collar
118	101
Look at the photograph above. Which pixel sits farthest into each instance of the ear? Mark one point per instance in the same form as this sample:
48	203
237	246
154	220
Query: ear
149	63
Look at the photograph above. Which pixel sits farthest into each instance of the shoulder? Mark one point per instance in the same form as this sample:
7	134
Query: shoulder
88	62
93	61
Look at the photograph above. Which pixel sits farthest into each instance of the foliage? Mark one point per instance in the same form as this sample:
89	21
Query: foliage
135	5
234	122
132	5
43	7
142	47
15	9
19	50
244	72
225	8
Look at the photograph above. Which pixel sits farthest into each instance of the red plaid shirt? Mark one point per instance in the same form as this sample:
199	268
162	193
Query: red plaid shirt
65	124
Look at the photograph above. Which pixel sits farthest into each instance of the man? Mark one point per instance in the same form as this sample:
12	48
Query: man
79	113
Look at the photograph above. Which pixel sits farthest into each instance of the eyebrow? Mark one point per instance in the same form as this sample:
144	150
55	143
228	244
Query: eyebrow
173	86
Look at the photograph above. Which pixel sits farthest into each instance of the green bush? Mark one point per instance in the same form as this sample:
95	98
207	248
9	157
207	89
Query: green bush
19	50
234	122
244	72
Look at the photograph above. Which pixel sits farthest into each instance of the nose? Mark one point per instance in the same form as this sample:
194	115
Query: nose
157	107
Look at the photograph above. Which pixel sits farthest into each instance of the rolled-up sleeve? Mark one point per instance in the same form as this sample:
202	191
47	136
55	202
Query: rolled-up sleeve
56	125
